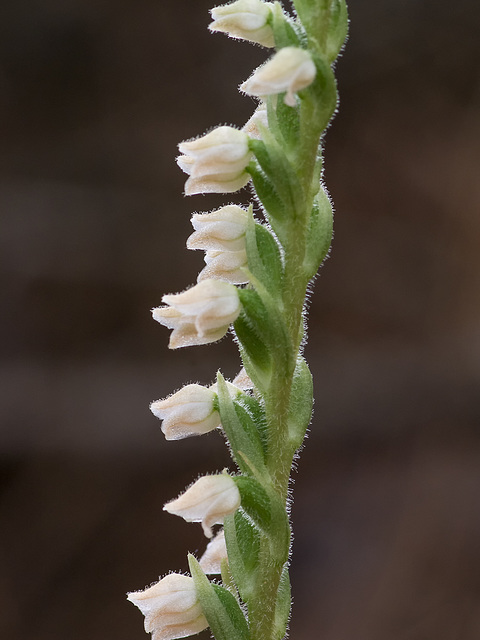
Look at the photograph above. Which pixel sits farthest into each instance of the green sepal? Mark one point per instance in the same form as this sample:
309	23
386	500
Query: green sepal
337	28
240	430
223	613
262	315
266	192
260	377
319	234
278	169
312	16
268	512
255	354
326	22
227	578
263	255
255	501
285	119
256	314
273	206
301	403
283	605
283	31
257	411
320	98
243	546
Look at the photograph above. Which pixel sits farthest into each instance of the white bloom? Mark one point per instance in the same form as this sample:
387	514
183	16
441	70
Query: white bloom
225	265
258	119
216	162
171	608
199	315
187	412
242	380
216	551
246	20
289	70
220	230
233	389
208	501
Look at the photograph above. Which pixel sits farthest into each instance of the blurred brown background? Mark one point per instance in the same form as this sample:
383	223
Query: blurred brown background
94	97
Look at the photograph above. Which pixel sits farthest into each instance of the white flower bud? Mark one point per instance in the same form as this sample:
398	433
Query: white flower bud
246	20
258	119
242	380
187	412
216	551
208	501
225	265
199	315
171	608
289	70
216	162
220	230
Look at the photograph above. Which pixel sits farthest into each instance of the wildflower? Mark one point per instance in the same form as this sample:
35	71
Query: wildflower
220	230
216	551
246	20
225	265
289	70
171	608
199	315
258	120
187	412
242	380
216	162
208	501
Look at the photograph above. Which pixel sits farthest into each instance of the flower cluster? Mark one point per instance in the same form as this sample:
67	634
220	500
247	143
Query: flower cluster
253	283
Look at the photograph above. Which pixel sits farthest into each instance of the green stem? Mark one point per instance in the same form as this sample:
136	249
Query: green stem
261	611
277	400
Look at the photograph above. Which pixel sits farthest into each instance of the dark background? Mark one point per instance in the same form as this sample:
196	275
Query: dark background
94	97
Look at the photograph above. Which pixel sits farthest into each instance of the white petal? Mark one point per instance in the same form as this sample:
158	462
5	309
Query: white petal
208	501
171	608
216	551
289	70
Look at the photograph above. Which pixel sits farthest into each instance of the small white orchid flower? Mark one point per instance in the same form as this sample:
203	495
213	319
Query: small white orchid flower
245	20
225	265
187	412
199	315
171	608
216	551
242	380
220	230
258	119
289	70
216	162
208	501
